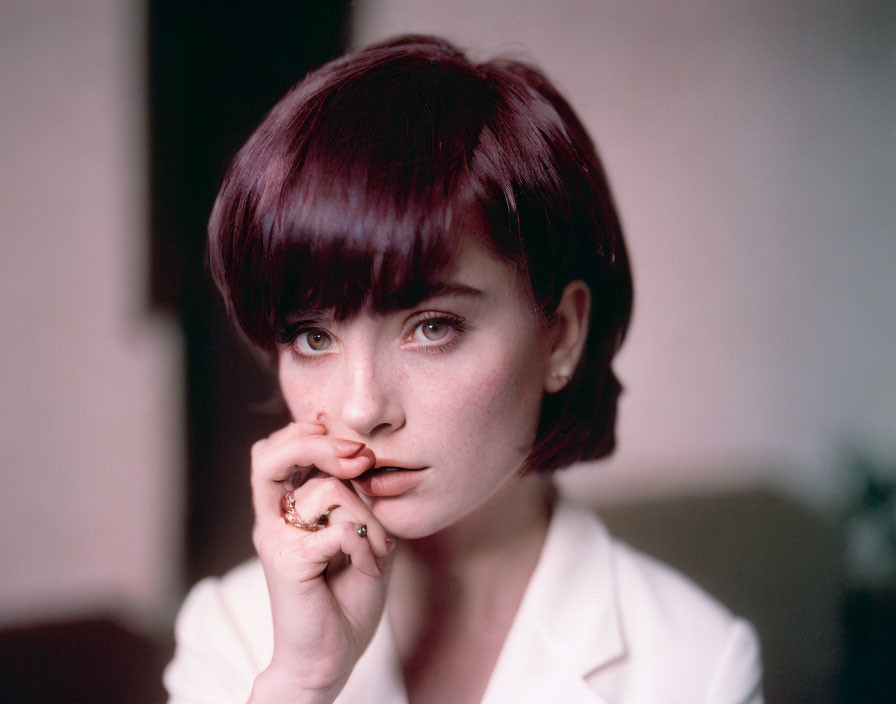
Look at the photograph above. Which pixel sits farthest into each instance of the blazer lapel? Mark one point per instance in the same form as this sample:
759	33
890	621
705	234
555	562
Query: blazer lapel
567	627
568	623
377	676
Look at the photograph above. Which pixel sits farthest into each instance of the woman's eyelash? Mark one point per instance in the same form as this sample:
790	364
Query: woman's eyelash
446	318
291	331
456	325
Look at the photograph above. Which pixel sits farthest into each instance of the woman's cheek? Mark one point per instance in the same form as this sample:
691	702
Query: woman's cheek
303	395
502	399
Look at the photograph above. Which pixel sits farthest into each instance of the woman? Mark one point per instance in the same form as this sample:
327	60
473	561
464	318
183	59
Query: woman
428	251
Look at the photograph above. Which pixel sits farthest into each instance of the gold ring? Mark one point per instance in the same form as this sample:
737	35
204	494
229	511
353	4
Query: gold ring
288	508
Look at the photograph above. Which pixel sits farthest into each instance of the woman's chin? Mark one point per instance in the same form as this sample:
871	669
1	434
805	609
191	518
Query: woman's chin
406	523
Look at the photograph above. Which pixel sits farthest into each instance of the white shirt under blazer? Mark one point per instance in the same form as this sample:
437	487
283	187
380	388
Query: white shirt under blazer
600	623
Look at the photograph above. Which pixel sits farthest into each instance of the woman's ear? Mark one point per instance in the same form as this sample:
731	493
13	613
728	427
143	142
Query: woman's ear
568	327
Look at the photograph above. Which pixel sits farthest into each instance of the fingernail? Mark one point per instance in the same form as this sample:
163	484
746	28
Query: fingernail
390	545
347	448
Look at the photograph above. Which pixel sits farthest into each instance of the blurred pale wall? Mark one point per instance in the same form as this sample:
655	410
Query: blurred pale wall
752	150
90	431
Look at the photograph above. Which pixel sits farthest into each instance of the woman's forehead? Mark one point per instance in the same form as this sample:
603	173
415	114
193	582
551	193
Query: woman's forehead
469	271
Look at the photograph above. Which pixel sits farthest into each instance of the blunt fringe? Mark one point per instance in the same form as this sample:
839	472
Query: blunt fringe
351	191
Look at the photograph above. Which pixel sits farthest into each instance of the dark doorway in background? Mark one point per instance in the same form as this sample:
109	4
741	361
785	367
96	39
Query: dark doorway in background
215	69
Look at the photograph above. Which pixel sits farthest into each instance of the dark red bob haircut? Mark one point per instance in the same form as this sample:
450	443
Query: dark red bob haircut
350	194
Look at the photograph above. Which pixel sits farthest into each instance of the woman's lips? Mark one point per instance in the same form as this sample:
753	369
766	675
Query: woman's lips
388	480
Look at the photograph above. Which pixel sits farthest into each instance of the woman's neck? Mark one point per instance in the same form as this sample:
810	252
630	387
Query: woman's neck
458	591
510	523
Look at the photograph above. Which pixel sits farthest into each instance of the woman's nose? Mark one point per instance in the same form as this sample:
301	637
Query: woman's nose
368	407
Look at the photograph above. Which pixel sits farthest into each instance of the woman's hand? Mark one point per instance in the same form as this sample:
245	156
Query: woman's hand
327	587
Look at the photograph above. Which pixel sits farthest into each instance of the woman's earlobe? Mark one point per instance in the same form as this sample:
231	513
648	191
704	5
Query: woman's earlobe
569	331
556	383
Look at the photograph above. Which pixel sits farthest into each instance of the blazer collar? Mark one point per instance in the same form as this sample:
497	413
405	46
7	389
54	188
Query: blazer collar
568	623
567	626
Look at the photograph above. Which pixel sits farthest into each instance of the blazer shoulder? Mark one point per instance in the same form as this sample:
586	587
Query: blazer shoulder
222	637
675	630
674	602
237	603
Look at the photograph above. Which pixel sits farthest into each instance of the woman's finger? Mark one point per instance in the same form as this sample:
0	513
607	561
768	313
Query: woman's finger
274	459
346	537
289	463
295	429
324	501
295	562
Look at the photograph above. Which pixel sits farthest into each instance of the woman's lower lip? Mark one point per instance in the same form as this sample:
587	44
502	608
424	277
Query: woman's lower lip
389	483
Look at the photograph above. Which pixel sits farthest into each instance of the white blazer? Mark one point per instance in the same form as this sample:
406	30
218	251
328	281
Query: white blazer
599	624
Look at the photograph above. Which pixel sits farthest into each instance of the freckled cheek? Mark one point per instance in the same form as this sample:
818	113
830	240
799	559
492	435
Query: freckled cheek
493	399
304	395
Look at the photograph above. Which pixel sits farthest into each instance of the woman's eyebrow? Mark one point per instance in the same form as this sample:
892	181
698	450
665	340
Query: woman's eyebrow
307	314
444	288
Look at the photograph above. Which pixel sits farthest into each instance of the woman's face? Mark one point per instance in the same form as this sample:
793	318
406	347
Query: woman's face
449	390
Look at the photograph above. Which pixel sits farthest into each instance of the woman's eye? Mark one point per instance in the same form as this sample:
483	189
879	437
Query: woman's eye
436	334
313	340
434	330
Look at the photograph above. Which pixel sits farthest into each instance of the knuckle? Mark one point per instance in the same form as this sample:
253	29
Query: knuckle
331	490
347	533
266	542
350	534
296	430
258	448
321	488
333	484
